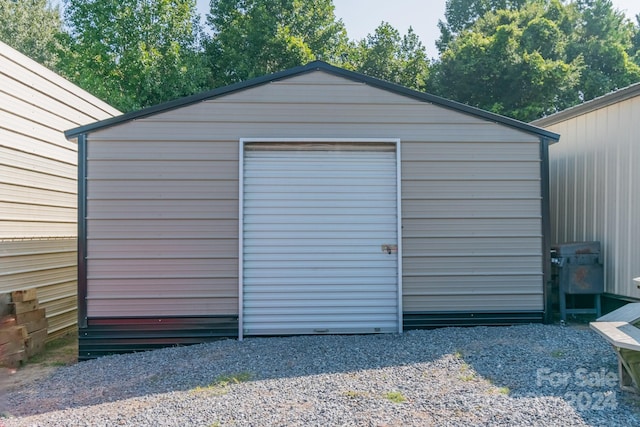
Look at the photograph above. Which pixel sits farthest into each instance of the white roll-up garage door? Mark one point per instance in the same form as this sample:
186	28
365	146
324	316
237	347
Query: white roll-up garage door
320	236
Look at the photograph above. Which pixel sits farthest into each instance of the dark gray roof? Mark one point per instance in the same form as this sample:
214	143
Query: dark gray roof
592	105
313	66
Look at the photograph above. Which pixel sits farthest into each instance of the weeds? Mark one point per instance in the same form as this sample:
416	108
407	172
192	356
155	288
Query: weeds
466	373
503	390
395	397
221	384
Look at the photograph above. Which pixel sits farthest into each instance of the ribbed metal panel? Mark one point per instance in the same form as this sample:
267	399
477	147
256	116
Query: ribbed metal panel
113	335
38	183
48	265
427	320
314	226
594	178
162	233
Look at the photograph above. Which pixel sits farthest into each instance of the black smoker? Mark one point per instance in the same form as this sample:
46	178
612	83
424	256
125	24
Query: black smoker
579	272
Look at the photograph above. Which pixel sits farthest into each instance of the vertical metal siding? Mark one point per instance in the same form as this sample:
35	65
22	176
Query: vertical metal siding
594	182
314	226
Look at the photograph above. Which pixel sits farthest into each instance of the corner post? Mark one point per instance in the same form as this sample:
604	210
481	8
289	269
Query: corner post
546	231
82	231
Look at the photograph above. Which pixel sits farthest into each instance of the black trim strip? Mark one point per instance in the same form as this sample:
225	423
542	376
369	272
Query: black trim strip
313	66
104	336
82	231
427	320
546	232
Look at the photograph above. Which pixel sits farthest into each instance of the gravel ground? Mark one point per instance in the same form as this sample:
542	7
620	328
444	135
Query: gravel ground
529	375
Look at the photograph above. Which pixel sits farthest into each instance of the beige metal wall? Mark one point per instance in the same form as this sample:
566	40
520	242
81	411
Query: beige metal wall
38	182
595	183
163	193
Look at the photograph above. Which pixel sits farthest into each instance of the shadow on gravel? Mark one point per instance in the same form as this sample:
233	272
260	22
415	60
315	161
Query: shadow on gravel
527	360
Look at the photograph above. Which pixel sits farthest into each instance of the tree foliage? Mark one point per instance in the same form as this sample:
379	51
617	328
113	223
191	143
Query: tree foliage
462	14
134	53
521	58
388	56
603	37
530	58
255	37
32	27
511	62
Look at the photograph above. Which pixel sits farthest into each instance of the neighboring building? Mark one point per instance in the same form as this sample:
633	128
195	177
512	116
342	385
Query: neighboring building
311	201
595	184
38	183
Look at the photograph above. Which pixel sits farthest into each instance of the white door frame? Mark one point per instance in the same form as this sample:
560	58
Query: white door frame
244	141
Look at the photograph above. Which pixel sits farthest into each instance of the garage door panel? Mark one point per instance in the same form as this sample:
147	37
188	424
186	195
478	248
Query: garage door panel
326	273
314	223
375	302
267	255
371	223
363	280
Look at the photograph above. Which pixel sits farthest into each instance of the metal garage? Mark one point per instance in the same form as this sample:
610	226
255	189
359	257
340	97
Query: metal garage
312	201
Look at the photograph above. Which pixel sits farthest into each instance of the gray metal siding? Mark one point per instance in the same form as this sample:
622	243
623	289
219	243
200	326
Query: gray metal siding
470	185
594	186
162	229
472	227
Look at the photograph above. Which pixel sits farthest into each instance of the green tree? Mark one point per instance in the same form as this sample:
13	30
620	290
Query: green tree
255	37
603	38
32	27
462	14
135	53
593	40
635	48
511	62
388	56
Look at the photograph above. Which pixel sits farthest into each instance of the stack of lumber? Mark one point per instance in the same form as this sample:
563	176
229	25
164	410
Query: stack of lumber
23	332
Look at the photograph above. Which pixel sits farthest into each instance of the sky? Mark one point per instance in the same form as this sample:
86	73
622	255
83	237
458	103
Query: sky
361	17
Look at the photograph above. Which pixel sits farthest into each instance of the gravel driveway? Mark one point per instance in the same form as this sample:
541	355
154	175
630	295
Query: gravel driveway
529	375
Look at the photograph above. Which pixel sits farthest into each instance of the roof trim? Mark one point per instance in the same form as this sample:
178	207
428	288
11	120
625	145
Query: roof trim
310	67
589	106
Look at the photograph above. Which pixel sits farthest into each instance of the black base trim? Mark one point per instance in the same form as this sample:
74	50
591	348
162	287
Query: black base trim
104	336
612	302
427	320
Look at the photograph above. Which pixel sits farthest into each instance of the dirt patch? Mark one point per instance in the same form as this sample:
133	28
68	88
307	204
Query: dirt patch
62	351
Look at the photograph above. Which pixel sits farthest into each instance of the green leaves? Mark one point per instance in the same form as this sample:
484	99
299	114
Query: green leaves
388	56
521	58
134	53
526	59
255	37
32	27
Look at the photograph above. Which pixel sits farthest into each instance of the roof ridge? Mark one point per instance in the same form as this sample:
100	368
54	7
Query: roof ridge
316	65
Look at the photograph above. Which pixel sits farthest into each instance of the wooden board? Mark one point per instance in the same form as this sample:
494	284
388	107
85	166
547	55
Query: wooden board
618	329
13	334
23	296
13	360
23	307
30	316
35	343
36	325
